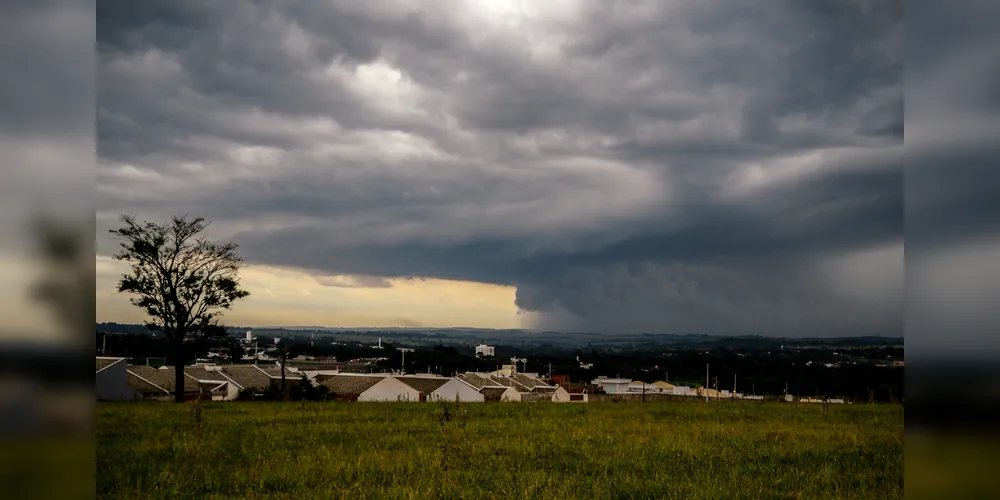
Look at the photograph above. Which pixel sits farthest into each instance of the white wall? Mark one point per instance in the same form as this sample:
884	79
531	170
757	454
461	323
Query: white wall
560	396
111	384
615	388
390	389
510	394
448	391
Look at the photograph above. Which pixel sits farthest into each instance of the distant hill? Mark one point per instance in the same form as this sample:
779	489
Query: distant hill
467	336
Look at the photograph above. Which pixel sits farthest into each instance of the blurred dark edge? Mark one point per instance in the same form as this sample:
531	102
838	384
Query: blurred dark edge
952	391
47	439
953	397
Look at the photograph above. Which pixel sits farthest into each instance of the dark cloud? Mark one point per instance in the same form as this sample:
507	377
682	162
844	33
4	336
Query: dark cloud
695	166
952	180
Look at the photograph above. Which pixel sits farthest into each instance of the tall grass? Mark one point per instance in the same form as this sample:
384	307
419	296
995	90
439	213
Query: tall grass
503	450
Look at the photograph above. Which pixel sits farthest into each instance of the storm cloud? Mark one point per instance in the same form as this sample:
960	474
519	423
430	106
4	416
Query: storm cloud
705	166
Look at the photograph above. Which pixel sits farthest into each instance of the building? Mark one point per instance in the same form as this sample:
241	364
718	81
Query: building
708	393
639	387
390	389
349	387
505	371
443	389
485	351
560	395
578	395
664	387
111	382
158	384
246	377
212	382
683	390
612	385
502	394
491	387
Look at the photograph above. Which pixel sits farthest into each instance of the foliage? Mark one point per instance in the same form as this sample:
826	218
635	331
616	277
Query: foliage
180	279
539	450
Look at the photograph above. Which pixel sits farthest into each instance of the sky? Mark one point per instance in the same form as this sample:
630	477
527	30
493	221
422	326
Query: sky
706	167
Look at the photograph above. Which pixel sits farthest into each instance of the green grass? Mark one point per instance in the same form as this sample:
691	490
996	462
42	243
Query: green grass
502	450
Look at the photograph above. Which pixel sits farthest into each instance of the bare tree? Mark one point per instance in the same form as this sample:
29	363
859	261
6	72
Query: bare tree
181	280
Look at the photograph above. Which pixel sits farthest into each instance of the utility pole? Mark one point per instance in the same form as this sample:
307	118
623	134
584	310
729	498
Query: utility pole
104	345
706	381
404	350
734	385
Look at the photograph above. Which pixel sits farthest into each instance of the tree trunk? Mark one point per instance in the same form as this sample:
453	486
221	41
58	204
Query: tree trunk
179	375
178	367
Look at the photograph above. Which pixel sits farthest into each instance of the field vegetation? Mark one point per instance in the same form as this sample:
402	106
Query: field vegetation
693	450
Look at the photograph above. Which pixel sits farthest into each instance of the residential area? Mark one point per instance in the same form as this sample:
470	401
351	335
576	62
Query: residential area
117	380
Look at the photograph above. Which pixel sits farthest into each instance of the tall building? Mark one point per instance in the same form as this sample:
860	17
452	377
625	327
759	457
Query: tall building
484	350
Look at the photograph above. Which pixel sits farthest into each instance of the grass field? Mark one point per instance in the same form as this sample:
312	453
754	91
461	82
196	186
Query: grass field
503	450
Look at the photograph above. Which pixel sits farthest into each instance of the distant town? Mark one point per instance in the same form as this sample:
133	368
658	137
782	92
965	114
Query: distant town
509	365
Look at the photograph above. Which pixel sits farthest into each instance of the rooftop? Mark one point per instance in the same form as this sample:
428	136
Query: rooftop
351	384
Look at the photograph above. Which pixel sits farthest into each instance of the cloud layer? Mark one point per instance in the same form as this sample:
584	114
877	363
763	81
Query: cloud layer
705	166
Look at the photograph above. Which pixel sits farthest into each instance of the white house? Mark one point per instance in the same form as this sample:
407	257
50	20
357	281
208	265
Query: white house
503	394
613	385
683	390
111	382
390	389
560	395
211	380
638	387
456	389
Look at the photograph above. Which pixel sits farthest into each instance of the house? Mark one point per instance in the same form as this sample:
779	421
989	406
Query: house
612	385
246	377
560	395
347	387
158	384
503	394
505	370
457	390
443	389
380	387
639	387
578	395
682	390
425	386
531	383
111	382
211	380
390	389
479	380
709	393
664	387
489	388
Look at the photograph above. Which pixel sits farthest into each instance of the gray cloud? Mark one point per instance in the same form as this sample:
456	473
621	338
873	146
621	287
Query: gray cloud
952	209
658	166
354	281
